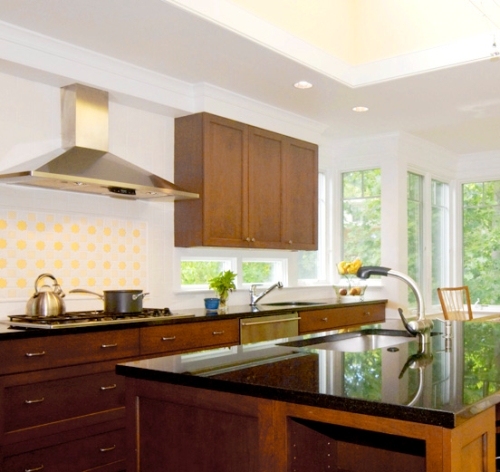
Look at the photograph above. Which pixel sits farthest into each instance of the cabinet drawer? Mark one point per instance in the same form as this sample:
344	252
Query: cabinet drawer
334	318
189	336
75	456
36	404
22	355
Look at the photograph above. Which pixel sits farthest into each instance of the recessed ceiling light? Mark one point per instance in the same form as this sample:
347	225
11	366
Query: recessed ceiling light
360	109
302	84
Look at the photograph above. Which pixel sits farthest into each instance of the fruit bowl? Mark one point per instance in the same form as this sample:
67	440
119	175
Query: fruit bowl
356	288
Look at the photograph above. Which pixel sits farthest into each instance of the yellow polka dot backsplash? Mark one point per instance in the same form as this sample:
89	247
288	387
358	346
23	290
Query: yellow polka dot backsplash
80	251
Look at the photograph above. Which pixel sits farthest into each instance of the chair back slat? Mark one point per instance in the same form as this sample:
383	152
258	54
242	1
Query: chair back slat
455	302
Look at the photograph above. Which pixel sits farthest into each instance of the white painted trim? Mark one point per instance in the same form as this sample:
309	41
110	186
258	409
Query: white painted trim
244	23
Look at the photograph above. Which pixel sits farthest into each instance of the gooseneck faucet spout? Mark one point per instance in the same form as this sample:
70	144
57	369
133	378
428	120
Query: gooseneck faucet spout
254	298
421	325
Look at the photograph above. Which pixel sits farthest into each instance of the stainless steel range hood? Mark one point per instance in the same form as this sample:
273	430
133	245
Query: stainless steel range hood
84	164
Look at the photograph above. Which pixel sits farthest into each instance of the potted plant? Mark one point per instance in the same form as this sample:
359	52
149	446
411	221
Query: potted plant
223	284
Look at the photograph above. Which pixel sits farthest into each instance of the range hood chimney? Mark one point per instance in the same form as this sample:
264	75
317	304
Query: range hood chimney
84	164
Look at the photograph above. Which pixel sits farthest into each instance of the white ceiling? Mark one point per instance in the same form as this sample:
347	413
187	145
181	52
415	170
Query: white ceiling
456	107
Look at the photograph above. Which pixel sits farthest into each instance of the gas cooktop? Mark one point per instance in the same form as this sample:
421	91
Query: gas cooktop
92	318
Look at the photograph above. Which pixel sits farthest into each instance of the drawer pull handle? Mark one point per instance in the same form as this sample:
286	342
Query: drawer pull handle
35	354
324	319
367	313
35	469
109	387
171	338
107	449
105	346
217	333
37	400
269	322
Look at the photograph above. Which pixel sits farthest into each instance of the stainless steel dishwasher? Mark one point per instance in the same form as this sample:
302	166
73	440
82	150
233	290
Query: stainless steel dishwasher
267	327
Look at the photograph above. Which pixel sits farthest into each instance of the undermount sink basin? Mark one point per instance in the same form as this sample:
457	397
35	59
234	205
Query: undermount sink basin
293	303
360	341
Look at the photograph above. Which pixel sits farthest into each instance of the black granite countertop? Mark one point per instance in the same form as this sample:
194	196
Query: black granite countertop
199	314
457	376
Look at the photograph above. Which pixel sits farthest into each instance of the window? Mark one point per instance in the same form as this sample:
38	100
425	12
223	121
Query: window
481	237
415	231
427	229
263	271
195	273
440	237
361	214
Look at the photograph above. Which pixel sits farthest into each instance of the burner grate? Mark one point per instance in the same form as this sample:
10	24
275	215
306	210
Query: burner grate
91	318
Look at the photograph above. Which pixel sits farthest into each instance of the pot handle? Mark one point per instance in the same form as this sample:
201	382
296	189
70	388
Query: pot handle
139	295
82	290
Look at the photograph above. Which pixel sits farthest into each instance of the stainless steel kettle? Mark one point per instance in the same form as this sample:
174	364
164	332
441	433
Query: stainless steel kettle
47	301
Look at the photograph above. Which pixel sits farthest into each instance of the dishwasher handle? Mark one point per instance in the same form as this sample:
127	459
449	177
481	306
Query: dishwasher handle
253	323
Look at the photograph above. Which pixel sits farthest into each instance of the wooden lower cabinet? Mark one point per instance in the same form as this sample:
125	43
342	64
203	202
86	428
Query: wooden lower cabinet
100	448
343	317
195	430
189	337
62	407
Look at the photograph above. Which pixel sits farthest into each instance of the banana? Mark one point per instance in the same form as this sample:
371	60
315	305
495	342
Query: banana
349	267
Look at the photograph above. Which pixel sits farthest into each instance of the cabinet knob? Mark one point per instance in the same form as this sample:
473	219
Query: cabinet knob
324	319
250	240
290	242
367	313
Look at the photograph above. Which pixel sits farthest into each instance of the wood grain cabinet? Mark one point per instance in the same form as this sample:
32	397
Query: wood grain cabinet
62	405
258	189
342	317
189	336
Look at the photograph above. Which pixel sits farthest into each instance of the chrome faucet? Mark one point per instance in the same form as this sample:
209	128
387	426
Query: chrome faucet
420	326
254	298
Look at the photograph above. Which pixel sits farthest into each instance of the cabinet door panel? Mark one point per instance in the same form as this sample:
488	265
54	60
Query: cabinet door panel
74	456
46	352
300	203
225	183
40	403
189	337
265	188
334	318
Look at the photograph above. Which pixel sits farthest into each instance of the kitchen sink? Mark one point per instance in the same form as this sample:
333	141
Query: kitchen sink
360	341
293	303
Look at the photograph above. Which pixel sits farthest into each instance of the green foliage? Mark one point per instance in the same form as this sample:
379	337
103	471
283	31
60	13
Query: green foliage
257	272
481	240
481	361
223	283
199	272
362	216
363	375
415	229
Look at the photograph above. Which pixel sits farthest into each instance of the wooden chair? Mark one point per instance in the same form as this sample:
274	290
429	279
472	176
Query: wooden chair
455	302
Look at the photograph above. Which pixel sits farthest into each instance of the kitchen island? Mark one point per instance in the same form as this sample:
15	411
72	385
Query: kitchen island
293	406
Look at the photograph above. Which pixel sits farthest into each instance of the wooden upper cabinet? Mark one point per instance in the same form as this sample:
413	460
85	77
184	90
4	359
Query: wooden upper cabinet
258	189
